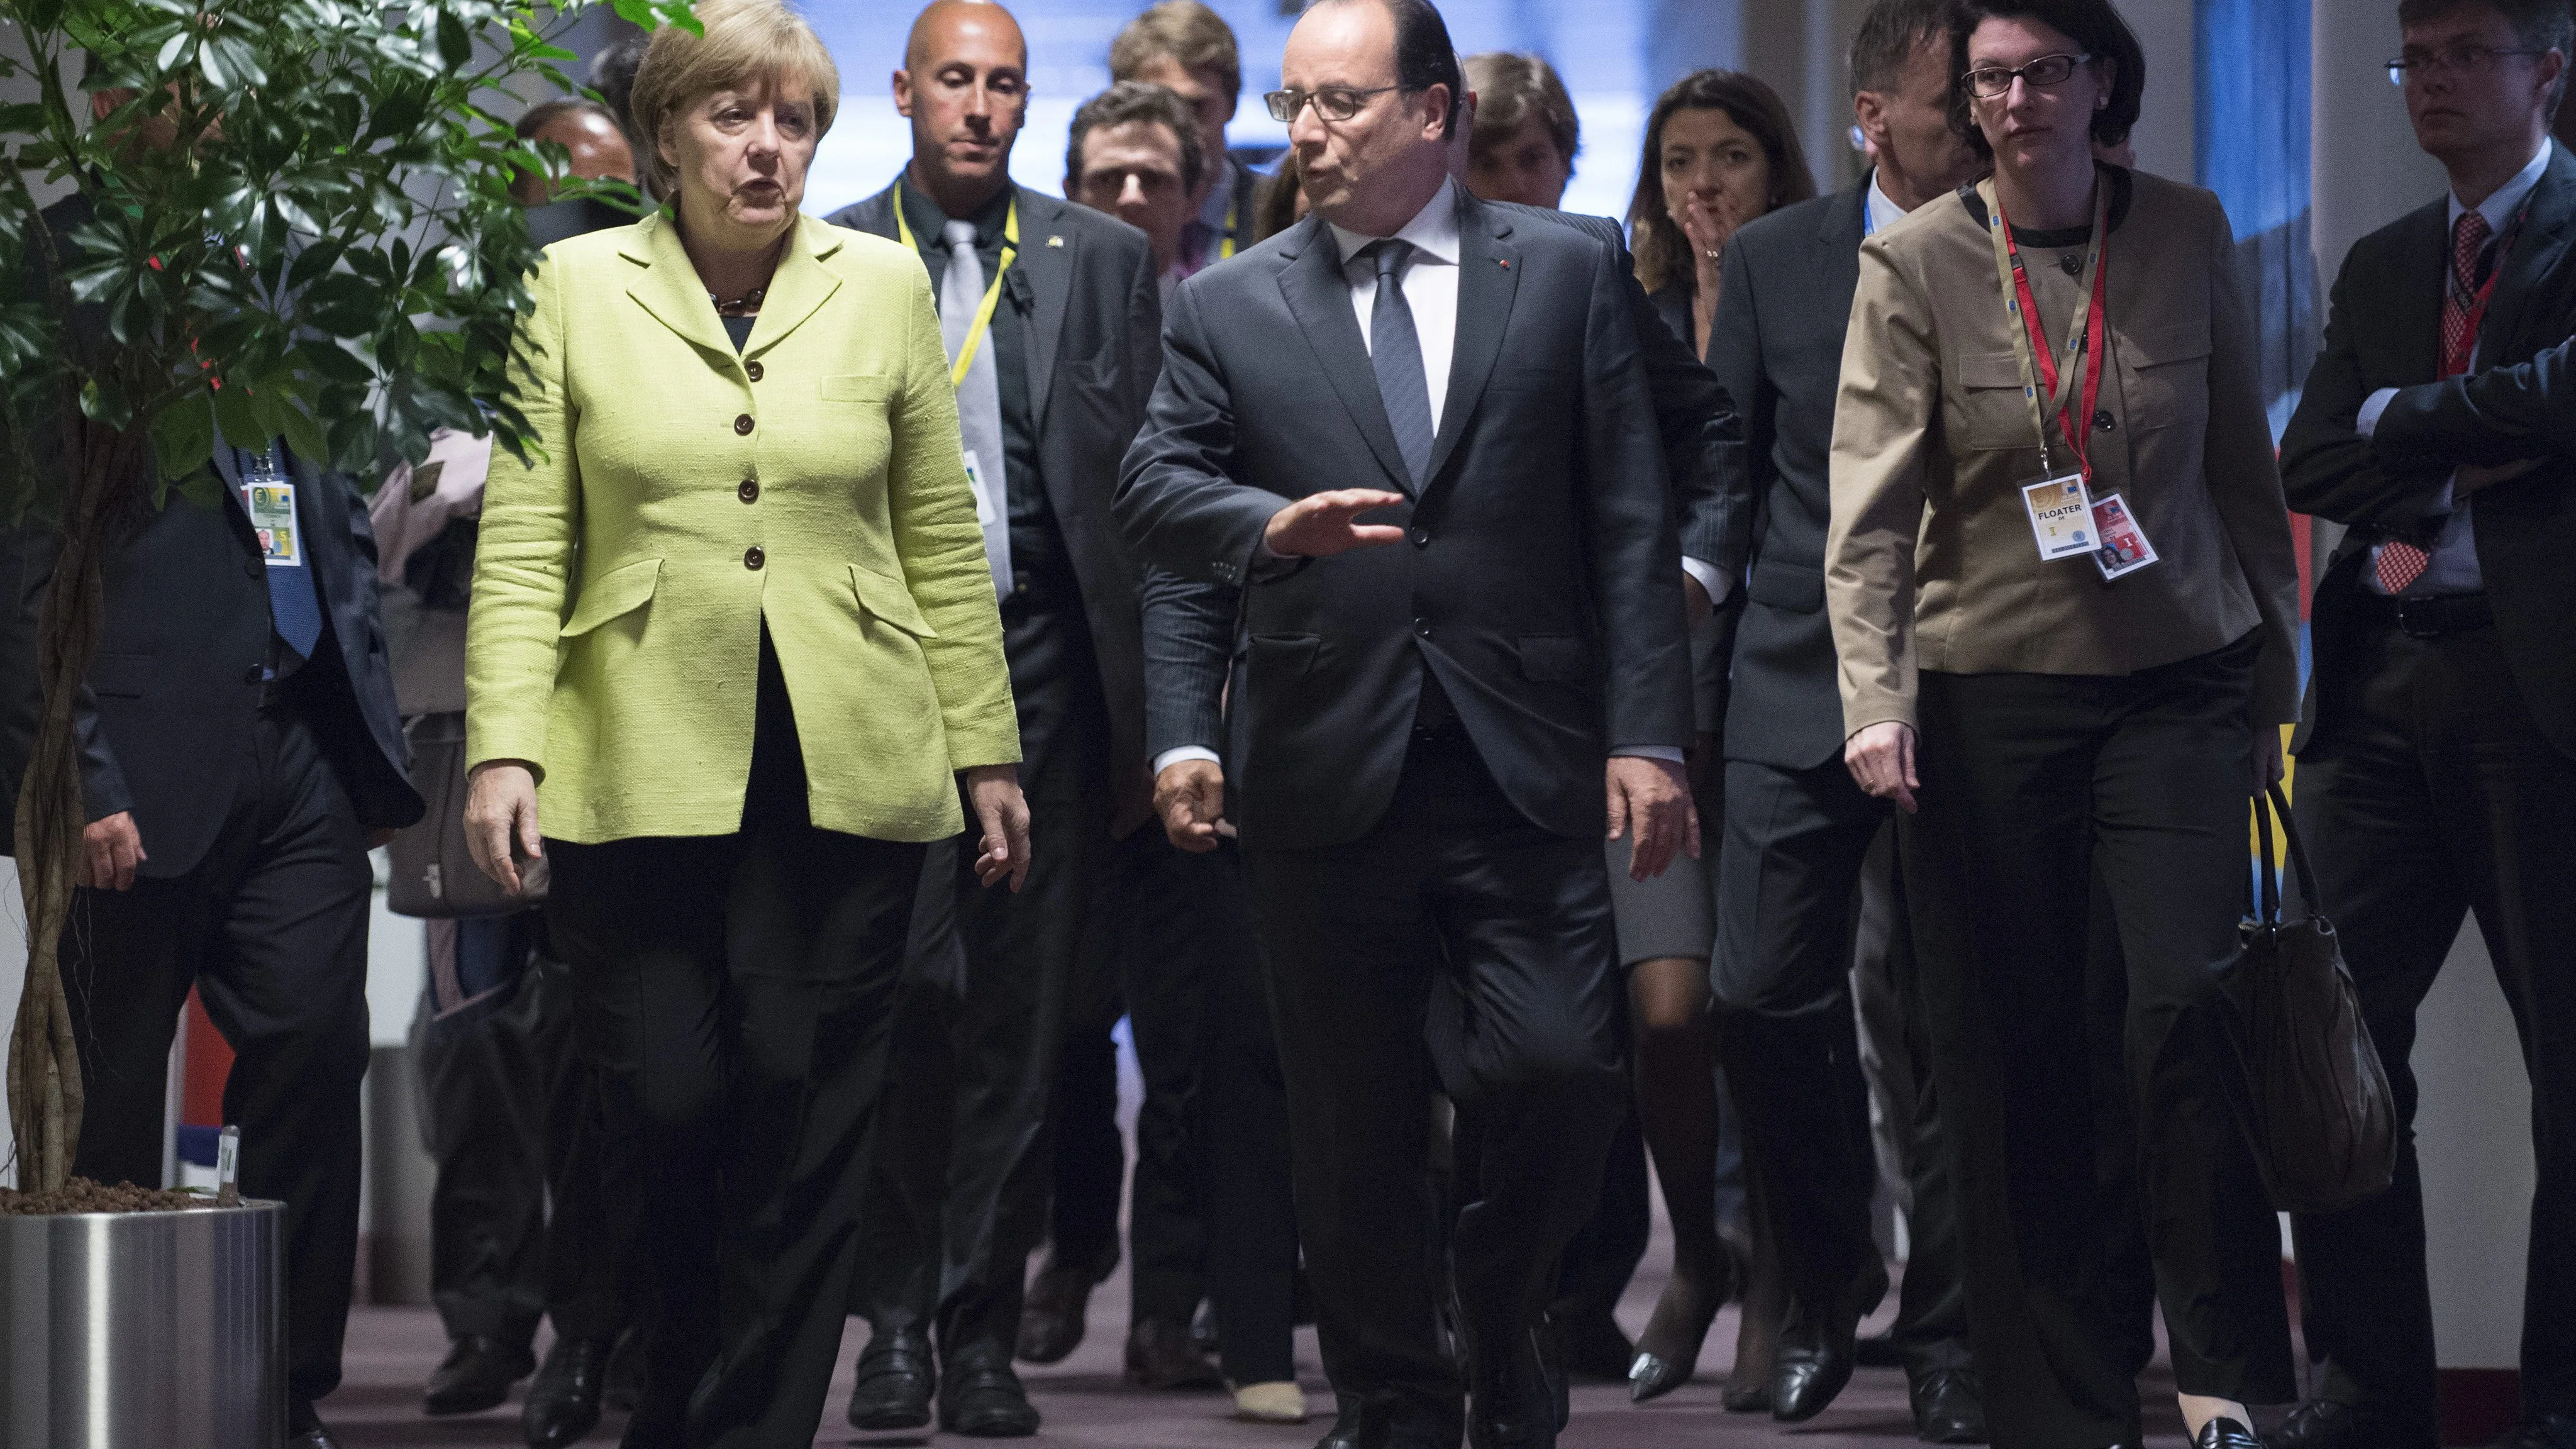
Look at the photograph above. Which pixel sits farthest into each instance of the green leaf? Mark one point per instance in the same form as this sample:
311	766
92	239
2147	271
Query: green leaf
203	489
183	436
238	418
454	45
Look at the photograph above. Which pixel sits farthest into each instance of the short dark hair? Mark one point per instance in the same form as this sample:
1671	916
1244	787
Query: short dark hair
2537	25
1423	55
1885	43
613	76
1128	102
1510	89
1187	33
1663	253
2092	24
546	113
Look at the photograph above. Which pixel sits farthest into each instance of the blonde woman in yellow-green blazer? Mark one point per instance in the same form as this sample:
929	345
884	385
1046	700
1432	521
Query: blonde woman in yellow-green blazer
733	659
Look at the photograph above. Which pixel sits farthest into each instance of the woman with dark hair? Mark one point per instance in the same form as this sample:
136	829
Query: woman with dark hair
1719	152
2061	355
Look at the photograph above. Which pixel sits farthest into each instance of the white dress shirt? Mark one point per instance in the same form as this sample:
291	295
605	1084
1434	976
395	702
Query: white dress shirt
2454	567
1430	282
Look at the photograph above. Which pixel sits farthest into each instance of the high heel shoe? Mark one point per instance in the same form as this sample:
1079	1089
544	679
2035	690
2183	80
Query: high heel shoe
1668	1351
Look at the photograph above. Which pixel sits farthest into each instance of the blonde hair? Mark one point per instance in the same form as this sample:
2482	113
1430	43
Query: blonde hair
746	44
1184	31
1510	88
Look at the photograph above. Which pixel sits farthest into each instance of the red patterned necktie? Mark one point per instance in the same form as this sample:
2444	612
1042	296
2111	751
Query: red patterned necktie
2402	562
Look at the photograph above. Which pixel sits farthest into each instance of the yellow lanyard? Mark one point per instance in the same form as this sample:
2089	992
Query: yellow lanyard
1233	225
992	294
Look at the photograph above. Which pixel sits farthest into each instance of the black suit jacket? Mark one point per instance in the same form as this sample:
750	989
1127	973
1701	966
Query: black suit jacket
1093	357
1777	348
1540	578
2384	331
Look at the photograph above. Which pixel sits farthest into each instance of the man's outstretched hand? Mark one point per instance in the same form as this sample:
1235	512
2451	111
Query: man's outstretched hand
1320	525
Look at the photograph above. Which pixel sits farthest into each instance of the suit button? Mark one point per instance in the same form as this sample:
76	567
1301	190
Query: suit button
1422	538
753	369
752	557
1422	627
252	677
742	424
2104	422
749	491
253	569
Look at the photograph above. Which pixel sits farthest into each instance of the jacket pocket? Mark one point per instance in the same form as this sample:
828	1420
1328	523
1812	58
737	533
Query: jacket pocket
1994	415
1559	658
1282	657
120	676
617	592
1787	584
858	387
2167	382
890	600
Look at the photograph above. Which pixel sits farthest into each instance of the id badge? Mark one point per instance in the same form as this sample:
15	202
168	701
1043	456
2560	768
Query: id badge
2124	548
269	499
986	513
2061	516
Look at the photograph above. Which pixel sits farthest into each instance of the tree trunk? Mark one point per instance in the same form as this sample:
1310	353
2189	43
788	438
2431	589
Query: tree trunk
44	1075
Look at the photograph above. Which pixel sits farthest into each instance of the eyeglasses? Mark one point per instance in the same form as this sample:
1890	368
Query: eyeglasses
1333	103
2464	60
2048	70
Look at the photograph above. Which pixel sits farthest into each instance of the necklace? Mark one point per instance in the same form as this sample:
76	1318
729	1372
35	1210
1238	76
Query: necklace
743	306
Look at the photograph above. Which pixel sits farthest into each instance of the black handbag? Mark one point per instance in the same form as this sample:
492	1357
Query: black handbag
2312	1095
434	876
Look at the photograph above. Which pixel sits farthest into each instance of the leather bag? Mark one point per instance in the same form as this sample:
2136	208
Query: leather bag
434	876
2312	1096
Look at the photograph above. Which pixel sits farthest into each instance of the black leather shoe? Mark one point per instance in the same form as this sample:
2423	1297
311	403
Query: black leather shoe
1346	1434
1160	1355
564	1399
981	1398
1059	1298
476	1375
304	1427
2543	1431
2225	1433
1513	1398
1819	1348
1948	1409
2330	1424
895	1382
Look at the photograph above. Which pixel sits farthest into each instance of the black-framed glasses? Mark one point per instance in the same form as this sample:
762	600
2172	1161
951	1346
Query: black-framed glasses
1333	103
2471	59
2048	70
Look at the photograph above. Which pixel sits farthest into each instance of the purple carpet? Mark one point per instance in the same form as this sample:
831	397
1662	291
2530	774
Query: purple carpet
391	1351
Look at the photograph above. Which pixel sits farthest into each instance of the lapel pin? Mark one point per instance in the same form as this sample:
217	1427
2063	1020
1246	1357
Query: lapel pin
1504	262
1055	241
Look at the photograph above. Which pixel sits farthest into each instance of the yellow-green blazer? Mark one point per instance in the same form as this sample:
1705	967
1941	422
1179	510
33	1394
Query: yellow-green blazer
685	494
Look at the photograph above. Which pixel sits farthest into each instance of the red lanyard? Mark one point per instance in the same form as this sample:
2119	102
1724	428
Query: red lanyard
2477	314
2078	427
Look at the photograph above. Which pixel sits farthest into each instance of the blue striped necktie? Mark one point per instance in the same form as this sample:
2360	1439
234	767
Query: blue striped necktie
1395	350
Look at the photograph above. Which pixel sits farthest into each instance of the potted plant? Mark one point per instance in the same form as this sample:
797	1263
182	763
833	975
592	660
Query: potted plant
287	219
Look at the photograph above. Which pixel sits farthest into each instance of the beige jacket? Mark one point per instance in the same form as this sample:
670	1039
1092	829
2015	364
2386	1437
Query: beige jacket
1930	562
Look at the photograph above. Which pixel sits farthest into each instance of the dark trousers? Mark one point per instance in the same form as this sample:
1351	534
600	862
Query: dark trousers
1457	923
1149	949
733	995
532	1213
2427	792
1787	877
1931	1329
271	928
2032	784
1604	1254
981	1155
1250	1212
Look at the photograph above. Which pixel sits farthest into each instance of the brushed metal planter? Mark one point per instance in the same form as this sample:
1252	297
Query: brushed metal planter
125	1330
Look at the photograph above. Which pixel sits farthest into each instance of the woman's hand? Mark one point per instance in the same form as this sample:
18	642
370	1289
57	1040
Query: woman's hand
1881	759
500	812
1004	818
2268	767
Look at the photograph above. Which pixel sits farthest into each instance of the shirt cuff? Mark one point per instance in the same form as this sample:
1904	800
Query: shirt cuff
1709	578
1175	755
1669	754
2367	422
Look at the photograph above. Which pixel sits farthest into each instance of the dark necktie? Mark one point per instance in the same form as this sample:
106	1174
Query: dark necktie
1395	350
2403	561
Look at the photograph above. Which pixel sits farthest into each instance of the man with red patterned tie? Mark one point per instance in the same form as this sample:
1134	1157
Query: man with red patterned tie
2437	761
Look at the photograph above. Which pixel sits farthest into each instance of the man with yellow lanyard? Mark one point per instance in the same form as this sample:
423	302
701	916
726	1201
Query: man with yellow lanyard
1052	317
1187	48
